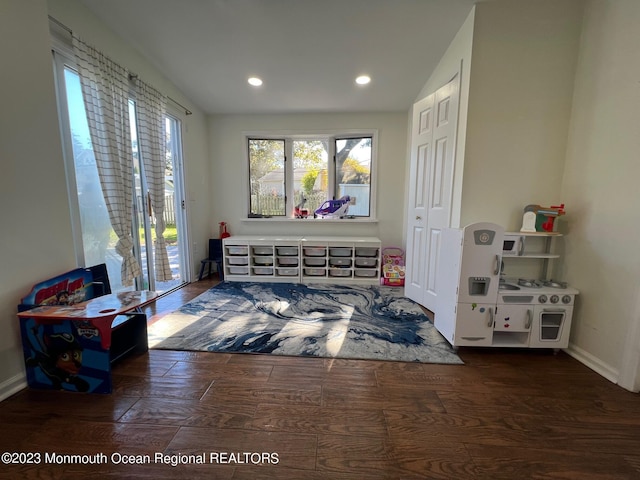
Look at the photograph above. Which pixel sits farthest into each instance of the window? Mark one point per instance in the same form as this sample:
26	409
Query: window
321	168
267	177
95	239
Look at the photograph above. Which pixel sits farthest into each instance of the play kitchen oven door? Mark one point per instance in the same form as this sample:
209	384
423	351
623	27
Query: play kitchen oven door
551	326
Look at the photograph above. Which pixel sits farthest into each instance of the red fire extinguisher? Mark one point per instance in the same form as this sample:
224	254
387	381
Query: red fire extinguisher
223	230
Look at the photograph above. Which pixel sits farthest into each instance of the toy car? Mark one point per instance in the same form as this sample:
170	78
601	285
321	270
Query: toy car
333	208
299	212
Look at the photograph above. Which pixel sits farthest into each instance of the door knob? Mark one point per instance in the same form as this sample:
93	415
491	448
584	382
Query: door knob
418	218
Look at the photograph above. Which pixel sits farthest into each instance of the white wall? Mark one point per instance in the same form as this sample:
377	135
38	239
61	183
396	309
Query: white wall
522	73
36	235
229	181
85	25
600	186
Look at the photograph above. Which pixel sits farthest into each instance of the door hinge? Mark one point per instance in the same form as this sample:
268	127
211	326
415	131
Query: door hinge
182	204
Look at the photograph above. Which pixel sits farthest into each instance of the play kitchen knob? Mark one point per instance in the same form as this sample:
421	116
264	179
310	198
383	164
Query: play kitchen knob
542	299
554	299
566	299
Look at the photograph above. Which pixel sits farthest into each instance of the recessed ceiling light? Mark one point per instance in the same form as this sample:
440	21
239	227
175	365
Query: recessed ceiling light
363	79
255	81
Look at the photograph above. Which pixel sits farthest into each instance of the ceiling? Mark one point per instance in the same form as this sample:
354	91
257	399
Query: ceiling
307	52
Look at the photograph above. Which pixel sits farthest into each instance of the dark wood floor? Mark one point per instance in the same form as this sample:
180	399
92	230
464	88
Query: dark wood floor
503	415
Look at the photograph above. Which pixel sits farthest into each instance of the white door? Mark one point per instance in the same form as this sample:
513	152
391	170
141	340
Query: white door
430	193
421	154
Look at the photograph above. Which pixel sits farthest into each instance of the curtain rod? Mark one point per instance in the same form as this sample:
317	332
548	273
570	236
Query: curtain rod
186	110
133	75
60	24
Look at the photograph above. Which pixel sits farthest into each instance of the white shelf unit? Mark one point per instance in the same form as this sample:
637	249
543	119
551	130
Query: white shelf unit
538	249
350	260
341	260
267	259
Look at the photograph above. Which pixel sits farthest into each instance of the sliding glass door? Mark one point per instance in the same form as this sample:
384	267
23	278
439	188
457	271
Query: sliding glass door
93	235
145	233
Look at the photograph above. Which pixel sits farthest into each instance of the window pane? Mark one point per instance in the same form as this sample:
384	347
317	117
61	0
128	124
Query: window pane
310	170
98	238
353	173
266	177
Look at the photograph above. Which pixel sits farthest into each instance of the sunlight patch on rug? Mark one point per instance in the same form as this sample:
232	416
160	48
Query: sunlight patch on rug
360	322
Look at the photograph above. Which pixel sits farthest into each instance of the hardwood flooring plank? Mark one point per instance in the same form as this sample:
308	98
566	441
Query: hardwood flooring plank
67	435
191	413
355	455
314	419
434	460
188	356
231	392
162	387
508	463
152	471
408	397
40	405
214	371
320	374
535	431
291	450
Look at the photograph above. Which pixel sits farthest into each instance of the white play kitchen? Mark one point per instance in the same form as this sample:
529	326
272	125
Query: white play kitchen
478	305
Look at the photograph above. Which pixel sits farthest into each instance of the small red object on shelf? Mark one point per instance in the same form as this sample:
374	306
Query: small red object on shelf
223	230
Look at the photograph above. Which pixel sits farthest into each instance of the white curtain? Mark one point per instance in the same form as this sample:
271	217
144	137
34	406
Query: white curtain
151	107
105	90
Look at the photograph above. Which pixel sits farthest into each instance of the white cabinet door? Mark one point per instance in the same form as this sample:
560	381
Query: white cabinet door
474	325
431	187
513	318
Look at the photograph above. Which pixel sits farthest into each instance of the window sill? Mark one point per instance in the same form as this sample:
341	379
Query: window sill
309	220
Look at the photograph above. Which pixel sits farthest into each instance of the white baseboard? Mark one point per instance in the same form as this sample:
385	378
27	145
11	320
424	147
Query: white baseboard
594	363
12	386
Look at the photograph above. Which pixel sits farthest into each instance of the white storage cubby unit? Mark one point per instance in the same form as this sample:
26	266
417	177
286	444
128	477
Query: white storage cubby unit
340	260
349	260
269	259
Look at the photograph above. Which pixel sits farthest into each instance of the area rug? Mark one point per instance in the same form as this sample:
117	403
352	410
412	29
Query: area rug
360	322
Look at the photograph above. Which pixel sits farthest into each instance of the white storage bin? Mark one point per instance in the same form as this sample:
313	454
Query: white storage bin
366	252
287	250
315	251
238	270
315	262
339	272
366	262
263	260
315	272
340	262
263	270
288	261
365	272
340	252
238	260
237	250
262	250
287	272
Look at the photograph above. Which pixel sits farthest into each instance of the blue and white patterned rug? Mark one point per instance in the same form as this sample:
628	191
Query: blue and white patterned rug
361	322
